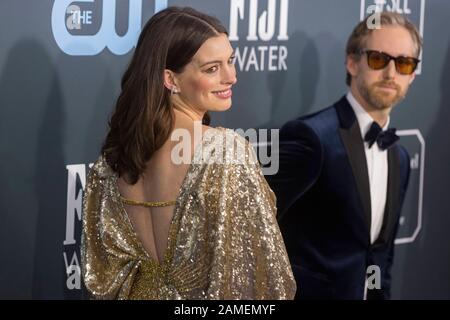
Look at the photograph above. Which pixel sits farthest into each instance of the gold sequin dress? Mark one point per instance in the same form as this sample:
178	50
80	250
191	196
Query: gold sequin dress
223	242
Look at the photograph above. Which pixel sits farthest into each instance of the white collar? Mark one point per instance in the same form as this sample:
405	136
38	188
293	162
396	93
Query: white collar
363	117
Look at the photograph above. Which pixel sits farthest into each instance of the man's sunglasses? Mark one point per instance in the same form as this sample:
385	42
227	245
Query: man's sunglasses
378	60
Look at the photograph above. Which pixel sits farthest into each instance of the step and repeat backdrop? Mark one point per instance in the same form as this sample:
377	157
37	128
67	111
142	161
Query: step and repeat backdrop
61	63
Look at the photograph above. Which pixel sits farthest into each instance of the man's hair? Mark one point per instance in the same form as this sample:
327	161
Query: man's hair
357	39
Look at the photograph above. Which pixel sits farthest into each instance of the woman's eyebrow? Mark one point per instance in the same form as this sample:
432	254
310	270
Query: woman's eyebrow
215	61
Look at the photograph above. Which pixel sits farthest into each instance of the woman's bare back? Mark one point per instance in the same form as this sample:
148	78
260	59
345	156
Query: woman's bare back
161	181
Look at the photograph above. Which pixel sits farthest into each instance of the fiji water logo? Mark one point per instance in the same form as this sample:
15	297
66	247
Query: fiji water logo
67	16
260	30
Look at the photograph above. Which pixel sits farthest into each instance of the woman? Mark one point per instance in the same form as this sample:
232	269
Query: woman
156	226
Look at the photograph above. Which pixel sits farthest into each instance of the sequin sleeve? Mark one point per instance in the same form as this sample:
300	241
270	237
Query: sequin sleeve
109	254
249	259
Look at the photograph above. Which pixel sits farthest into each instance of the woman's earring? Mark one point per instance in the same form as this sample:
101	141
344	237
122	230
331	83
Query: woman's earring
173	90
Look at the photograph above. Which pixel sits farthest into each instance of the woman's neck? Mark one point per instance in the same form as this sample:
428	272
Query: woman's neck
187	113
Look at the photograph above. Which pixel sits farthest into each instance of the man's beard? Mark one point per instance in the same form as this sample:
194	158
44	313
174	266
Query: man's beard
378	99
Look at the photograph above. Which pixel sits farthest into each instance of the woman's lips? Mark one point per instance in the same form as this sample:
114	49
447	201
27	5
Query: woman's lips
223	94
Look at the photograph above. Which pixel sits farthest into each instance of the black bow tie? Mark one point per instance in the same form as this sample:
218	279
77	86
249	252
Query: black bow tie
384	139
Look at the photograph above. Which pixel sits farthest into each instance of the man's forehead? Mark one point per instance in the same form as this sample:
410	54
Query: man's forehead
394	40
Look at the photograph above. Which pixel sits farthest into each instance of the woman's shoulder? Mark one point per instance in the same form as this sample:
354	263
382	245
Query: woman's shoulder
227	146
101	168
228	134
231	133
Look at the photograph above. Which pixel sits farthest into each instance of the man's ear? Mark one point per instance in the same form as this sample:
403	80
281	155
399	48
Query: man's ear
412	77
351	63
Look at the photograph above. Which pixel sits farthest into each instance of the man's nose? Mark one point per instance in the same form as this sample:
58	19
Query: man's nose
390	71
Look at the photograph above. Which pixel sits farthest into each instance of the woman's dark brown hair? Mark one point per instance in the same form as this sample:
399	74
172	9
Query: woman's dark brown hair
143	119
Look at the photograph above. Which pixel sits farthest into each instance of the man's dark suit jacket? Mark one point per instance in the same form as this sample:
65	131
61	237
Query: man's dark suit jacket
324	209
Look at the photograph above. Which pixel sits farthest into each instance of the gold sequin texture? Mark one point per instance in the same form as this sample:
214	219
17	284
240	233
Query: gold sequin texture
224	241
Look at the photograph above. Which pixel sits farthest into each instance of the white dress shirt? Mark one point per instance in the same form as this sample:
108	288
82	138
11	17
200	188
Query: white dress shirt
377	165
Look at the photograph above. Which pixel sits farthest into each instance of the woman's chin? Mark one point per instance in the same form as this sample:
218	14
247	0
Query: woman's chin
220	108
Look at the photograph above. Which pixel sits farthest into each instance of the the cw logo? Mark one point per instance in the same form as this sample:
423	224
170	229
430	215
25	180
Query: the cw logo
89	45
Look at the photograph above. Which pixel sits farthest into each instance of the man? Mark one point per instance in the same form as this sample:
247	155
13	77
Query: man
342	178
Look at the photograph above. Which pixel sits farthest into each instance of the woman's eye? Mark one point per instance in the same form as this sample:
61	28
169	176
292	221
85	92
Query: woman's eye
232	60
212	69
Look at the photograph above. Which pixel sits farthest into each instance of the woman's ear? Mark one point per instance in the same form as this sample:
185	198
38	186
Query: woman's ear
170	81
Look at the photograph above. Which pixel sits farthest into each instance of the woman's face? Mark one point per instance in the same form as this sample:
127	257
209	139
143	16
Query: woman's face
205	83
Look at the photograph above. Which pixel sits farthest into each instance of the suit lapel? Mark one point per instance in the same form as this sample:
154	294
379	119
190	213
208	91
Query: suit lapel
351	137
390	212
